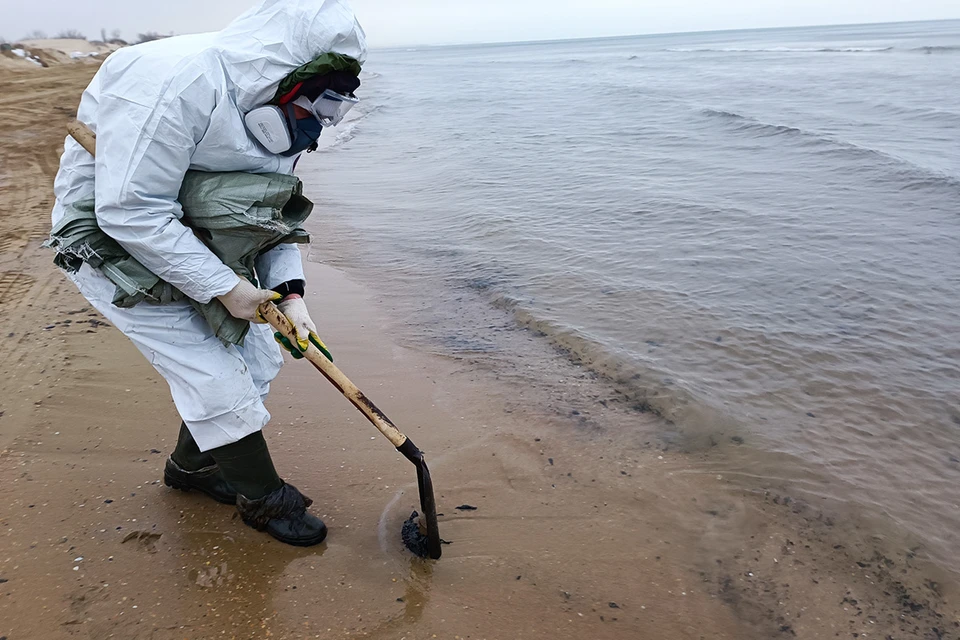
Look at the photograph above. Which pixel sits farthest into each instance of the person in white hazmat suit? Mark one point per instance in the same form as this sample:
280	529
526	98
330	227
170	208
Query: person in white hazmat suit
160	109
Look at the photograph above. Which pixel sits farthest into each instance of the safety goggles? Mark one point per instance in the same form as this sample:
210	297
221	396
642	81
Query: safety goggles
329	108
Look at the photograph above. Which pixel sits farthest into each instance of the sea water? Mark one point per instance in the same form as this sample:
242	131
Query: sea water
754	234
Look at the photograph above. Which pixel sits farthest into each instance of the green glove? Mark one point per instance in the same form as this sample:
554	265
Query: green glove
297	351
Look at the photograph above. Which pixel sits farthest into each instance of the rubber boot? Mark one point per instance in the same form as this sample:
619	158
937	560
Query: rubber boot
187	454
189	469
264	501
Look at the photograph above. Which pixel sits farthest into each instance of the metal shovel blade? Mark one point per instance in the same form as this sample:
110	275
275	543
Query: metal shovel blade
423	537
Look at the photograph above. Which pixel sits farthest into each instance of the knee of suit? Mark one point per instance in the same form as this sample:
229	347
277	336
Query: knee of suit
263	357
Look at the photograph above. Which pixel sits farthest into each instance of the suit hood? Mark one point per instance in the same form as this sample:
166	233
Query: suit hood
274	38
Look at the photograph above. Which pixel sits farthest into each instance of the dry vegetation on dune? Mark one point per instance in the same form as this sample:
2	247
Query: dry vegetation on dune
25	54
67	47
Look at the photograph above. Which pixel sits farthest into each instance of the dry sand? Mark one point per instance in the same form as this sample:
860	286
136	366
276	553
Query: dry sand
576	534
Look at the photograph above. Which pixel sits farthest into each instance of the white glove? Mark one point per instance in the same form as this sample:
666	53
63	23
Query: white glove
295	309
244	299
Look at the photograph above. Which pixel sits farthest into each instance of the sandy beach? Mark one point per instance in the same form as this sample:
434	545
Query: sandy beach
574	535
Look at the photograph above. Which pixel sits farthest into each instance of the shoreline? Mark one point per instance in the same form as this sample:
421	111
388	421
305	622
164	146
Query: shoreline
575	535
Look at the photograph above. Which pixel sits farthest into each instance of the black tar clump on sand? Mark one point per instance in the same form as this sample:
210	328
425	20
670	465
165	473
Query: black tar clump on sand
412	538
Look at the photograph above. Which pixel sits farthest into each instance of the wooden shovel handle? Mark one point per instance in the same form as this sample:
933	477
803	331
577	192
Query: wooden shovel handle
82	134
278	321
88	140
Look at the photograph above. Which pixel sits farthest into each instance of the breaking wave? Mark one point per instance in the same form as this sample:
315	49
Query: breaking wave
928	50
746	123
914	175
933	115
348	133
937	49
348	129
781	50
695	419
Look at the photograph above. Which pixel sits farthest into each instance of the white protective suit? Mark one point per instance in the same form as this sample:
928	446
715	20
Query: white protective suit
159	109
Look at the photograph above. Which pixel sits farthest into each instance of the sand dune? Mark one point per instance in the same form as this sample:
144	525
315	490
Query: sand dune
52	52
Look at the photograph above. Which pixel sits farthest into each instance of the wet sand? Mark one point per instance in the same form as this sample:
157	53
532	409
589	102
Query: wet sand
579	531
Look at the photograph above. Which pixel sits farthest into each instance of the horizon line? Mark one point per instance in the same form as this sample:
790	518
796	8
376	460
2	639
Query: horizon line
651	33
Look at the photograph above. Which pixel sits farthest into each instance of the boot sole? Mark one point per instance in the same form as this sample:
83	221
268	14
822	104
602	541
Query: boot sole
300	543
173	483
293	542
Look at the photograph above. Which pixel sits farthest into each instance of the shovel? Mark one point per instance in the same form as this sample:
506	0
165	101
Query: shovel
423	537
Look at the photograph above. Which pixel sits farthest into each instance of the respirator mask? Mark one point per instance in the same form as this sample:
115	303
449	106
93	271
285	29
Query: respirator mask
325	100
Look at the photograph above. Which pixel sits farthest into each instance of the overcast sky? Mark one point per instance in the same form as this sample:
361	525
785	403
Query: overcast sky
406	22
